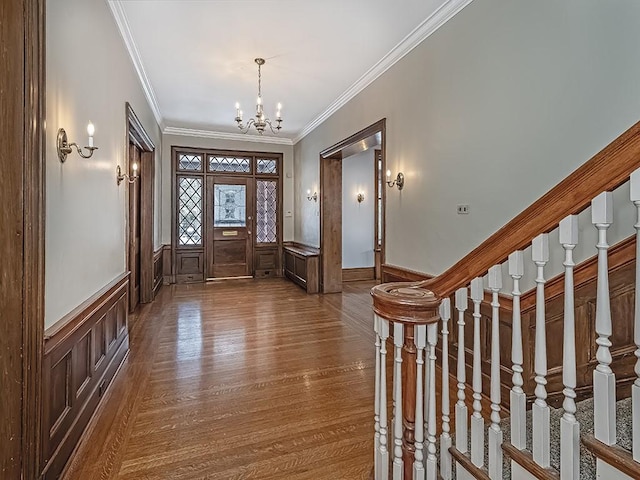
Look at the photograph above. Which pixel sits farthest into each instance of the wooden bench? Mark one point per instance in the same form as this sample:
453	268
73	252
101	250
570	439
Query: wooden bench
301	264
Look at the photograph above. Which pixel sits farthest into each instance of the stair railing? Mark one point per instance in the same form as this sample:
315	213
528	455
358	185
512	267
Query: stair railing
406	437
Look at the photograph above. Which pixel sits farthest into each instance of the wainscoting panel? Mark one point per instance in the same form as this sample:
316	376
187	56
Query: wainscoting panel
82	353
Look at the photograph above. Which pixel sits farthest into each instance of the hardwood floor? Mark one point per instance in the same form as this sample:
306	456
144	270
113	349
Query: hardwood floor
240	380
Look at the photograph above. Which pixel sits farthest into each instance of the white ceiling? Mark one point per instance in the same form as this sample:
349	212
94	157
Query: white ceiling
196	57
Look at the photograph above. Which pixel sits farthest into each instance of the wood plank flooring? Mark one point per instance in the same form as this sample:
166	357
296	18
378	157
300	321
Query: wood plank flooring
240	380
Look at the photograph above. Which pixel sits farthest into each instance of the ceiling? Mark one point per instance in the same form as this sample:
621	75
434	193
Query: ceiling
196	57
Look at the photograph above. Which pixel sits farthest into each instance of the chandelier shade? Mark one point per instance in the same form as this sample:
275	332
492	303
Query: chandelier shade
259	121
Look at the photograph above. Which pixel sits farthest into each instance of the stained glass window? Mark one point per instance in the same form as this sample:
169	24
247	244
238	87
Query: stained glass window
267	165
229	164
190	161
230	206
266	211
189	211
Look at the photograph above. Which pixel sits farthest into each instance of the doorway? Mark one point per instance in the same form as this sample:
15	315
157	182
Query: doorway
226	215
331	202
139	242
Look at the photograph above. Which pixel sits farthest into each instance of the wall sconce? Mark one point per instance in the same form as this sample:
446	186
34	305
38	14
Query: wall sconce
313	197
399	180
64	147
121	176
360	197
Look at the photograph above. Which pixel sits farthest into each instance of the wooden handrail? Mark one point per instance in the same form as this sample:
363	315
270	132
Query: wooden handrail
606	171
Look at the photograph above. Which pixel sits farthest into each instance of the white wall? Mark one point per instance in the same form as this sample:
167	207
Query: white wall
89	77
169	141
358	219
492	110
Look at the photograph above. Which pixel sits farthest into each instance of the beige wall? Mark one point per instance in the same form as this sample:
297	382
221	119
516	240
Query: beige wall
492	110
89	77
169	141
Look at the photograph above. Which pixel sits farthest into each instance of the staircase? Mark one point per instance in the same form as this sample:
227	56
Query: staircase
596	438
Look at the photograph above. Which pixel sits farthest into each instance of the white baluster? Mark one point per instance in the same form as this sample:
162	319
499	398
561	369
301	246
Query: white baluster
635	389
376	416
604	381
495	432
445	437
569	426
420	339
517	396
541	434
432	460
383	451
477	422
461	406
398	341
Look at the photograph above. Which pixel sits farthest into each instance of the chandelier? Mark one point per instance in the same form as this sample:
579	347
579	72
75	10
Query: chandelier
259	121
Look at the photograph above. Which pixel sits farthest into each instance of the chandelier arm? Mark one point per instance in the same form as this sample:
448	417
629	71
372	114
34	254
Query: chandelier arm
245	129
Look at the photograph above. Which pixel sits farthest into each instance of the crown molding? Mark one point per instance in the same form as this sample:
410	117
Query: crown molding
238	137
125	31
432	23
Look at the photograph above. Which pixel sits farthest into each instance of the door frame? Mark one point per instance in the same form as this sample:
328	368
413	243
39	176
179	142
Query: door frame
331	206
137	135
22	244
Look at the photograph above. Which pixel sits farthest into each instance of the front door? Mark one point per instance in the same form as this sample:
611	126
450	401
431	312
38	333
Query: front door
229	219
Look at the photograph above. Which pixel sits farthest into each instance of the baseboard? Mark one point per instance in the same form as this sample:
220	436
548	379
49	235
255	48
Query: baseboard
393	273
82	353
358	274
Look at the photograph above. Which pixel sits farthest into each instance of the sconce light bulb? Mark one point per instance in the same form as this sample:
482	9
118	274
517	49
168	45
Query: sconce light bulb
279	106
135	167
388	173
91	129
308	192
259	100
237	105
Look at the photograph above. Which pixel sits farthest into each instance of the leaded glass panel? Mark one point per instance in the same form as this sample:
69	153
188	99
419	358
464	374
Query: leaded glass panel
229	164
266	211
267	166
190	161
189	211
229	206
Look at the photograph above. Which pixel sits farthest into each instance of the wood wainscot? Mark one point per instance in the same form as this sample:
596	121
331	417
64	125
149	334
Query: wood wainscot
301	265
158	277
82	353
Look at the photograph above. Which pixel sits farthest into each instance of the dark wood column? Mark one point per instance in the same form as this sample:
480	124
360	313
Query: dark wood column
21	235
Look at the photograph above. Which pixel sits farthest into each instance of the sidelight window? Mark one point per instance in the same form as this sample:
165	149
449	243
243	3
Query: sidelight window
189	211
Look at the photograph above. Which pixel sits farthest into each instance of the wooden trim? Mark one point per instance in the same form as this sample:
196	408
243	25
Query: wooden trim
166	264
335	151
525	460
465	461
604	172
331	206
614	455
358	274
81	357
60	330
137	135
22	187
619	256
158	276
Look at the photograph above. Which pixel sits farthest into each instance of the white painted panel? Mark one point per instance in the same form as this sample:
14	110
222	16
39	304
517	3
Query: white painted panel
358	219
519	473
604	471
89	77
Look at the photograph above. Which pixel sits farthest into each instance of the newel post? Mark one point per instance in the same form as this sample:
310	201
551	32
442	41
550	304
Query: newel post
410	306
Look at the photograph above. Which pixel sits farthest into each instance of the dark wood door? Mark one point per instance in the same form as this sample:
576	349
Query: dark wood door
134	230
229	219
